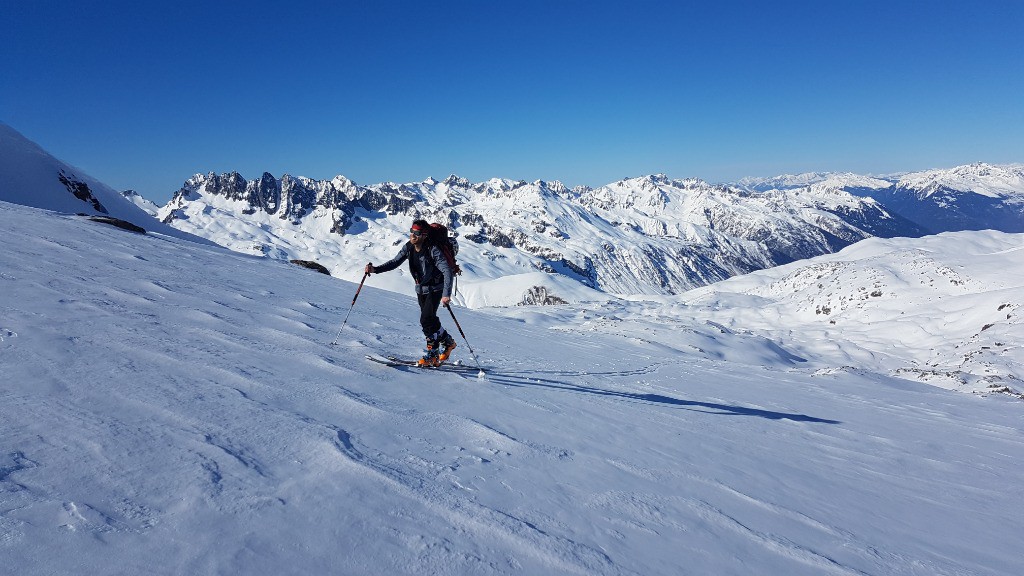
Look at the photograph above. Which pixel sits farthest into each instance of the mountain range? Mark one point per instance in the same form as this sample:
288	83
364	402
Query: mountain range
977	196
645	235
648	235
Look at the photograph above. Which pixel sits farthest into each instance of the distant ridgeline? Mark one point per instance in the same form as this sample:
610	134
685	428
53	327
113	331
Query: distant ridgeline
973	197
645	235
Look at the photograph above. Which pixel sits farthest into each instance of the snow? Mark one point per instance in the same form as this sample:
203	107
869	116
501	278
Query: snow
147	206
168	407
31	176
651	235
817	180
1002	182
943	309
980	178
512	291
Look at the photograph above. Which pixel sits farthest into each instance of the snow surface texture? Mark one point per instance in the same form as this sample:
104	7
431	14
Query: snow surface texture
173	408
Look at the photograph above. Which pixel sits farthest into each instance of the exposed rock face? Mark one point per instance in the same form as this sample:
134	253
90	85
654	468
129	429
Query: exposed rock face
81	191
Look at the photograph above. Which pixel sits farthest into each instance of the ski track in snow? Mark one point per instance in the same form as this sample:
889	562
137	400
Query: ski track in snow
175	409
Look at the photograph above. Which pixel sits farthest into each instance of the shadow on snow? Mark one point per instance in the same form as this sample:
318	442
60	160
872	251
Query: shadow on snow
707	407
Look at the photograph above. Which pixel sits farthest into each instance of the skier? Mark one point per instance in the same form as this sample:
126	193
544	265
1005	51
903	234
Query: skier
433	278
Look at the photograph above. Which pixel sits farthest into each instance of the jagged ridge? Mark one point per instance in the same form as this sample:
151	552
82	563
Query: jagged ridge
647	235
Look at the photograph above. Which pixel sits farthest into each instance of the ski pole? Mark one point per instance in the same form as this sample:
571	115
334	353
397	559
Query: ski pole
365	274
468	345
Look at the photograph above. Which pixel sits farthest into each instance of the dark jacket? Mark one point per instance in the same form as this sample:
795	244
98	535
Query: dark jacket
429	268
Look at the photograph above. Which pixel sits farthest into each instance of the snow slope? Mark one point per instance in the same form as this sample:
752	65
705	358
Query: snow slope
32	177
942	309
173	408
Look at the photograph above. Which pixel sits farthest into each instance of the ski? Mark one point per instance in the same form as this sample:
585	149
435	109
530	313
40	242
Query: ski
395	362
391	360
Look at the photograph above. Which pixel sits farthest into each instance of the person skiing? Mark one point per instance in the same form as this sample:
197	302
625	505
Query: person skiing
433	277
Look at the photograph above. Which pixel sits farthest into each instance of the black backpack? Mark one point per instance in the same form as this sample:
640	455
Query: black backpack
438	236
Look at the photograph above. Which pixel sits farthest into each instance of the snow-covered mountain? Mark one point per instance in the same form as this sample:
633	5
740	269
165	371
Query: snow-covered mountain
944	309
648	235
833	180
148	206
973	197
174	408
32	177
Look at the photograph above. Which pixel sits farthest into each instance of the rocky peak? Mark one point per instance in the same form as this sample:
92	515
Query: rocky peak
454	181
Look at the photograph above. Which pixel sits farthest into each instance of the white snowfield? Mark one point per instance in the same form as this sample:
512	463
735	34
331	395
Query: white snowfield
944	309
30	176
173	408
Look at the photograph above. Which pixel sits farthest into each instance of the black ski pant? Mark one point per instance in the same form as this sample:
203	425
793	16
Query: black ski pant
429	321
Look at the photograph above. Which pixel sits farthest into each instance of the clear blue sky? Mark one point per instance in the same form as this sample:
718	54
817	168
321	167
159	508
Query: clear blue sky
144	94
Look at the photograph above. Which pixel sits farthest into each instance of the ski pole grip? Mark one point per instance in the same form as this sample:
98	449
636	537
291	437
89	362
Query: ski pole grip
360	289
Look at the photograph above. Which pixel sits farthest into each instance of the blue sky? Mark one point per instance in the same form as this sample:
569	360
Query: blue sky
142	95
